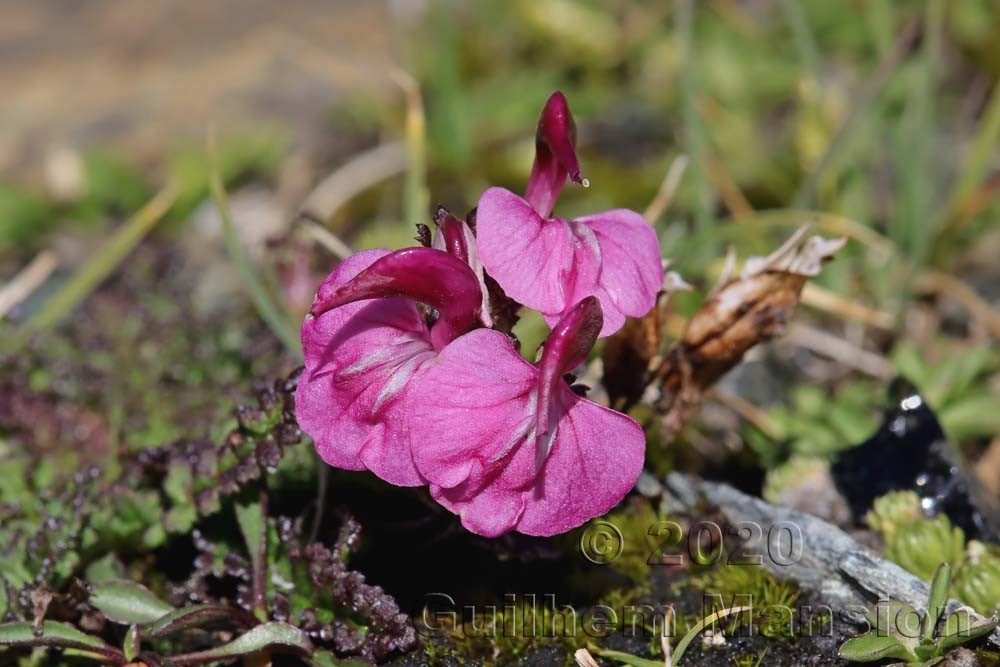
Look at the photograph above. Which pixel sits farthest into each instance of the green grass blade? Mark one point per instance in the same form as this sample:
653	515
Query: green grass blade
865	98
97	268
693	128
276	318
937	601
700	626
805	41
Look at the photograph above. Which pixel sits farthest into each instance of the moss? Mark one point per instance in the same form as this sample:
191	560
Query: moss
439	653
894	509
925	544
919	544
507	634
642	532
977	582
752	659
774	602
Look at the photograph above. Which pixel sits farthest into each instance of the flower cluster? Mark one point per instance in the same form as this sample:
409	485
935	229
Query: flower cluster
405	375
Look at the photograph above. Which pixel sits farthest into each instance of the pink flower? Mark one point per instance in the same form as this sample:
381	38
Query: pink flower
366	342
548	263
508	445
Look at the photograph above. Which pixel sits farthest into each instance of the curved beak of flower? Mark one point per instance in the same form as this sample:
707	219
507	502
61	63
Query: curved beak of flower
567	347
555	155
426	275
450	229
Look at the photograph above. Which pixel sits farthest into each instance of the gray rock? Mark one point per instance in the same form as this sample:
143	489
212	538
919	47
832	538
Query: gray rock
808	550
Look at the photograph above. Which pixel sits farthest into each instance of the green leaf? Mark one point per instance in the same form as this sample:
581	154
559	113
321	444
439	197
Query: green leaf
911	364
24	216
972	416
195	616
253	524
937	601
962	627
105	568
964	369
925	651
268	635
887	616
127	602
872	647
54	634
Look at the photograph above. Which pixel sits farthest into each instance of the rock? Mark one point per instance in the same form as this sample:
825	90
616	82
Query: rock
805	484
806	549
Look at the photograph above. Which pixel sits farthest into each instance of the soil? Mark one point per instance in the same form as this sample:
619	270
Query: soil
132	77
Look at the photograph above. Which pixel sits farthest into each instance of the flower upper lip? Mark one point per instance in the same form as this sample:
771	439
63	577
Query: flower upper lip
567	347
426	275
555	155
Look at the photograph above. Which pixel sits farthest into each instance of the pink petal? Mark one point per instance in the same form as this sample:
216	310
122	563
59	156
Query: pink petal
476	409
352	395
492	512
631	267
596	457
541	263
473	438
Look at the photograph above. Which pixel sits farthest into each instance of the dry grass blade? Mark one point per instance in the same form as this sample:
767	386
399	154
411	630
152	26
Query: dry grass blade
27	280
836	348
943	284
729	192
823	299
880	77
361	172
97	268
584	658
323	236
415	195
828	223
749	412
668	187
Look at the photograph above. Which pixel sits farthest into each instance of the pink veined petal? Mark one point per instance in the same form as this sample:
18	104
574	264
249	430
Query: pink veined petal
474	433
595	459
350	398
538	262
491	512
476	410
631	266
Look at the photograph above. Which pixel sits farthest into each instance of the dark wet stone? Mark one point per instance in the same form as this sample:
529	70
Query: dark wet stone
909	451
